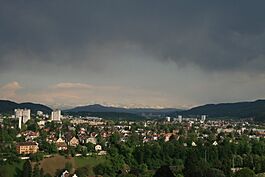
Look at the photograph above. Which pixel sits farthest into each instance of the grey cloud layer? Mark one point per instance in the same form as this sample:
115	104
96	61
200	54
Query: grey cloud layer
161	53
214	35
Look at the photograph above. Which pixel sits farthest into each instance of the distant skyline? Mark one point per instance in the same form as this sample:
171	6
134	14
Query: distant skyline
135	53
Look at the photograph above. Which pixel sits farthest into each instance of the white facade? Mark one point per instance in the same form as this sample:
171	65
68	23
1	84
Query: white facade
26	115
180	118
19	122
56	115
23	115
203	118
98	148
39	113
168	119
18	113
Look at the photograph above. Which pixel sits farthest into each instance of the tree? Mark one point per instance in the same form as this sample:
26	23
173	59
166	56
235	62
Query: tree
164	171
90	147
194	167
82	172
127	175
27	169
214	172
4	172
260	175
47	175
49	147
36	157
68	166
84	151
33	126
115	138
104	169
71	151
245	172
36	171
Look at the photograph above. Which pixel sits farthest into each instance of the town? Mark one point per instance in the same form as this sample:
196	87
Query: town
35	137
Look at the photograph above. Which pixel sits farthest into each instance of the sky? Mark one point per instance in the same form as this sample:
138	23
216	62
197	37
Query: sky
132	53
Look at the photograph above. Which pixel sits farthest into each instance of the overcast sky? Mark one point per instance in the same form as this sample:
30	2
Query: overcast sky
137	53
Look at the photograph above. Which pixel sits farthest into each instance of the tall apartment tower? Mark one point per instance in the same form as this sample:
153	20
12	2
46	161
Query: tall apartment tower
26	115
20	122
56	115
180	118
203	118
23	116
39	113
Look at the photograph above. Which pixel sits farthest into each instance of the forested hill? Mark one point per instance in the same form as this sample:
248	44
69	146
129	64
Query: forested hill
254	109
101	108
9	106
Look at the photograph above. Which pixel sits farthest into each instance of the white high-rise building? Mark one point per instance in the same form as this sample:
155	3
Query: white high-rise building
20	122
56	115
203	118
26	115
23	116
180	118
168	119
39	113
18	113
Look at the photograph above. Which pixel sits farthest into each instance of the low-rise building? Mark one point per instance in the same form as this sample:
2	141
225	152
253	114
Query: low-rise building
56	115
92	140
27	148
74	142
98	148
61	144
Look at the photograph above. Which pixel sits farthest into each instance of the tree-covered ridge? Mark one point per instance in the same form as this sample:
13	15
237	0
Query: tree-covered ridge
9	106
255	109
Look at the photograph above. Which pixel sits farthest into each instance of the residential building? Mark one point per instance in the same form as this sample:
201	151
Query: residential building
20	122
98	148
23	115
92	140
39	113
56	115
18	113
61	144
74	142
179	118
27	147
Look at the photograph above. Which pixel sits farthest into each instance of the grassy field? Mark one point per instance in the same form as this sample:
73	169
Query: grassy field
89	161
52	164
14	169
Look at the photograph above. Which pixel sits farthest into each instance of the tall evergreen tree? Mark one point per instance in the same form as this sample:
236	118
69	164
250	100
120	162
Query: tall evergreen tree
27	169
36	171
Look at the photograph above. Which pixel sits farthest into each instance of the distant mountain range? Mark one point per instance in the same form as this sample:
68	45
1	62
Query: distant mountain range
100	108
7	106
118	113
255	109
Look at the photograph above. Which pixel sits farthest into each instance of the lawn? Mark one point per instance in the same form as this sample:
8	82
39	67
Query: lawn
89	161
13	170
52	164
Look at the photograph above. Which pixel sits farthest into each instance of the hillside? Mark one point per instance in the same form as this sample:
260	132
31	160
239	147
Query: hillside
109	115
9	106
100	108
254	109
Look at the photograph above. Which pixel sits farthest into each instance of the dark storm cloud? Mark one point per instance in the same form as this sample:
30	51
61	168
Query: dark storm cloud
214	35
